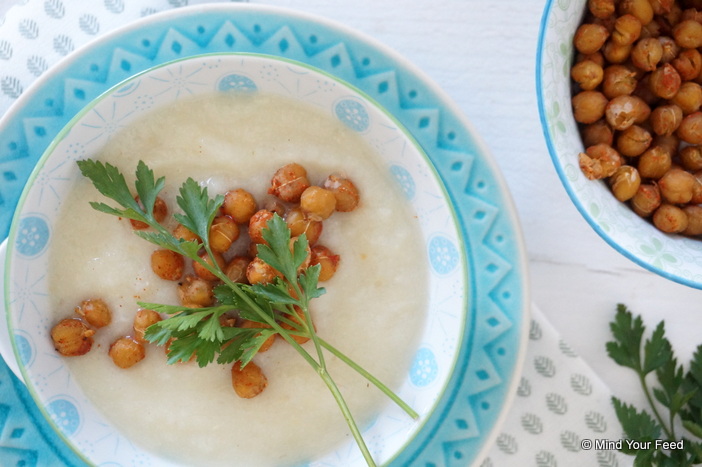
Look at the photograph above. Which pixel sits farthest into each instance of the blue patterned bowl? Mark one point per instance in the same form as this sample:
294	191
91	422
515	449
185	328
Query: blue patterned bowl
490	325
673	257
49	379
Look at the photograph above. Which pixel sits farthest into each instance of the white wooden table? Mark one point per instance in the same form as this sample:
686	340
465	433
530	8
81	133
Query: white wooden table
482	54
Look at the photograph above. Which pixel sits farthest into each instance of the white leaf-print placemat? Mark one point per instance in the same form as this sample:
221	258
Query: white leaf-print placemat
561	406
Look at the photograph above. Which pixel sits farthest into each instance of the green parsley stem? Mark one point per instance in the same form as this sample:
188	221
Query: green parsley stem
376	382
647	392
326	377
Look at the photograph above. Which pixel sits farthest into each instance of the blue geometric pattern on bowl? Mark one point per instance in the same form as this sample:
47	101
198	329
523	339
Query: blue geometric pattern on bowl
32	235
236	82
404	178
496	316
443	255
353	114
424	368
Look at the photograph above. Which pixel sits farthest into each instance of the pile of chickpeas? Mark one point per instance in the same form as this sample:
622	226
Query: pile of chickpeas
302	205
637	100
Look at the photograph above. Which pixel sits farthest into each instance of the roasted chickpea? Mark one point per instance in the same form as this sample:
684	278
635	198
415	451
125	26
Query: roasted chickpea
668	143
289	182
249	381
95	312
598	132
646	54
345	192
627	29
665	81
666	119
257	223
691	158
275	206
625	182
223	232
260	272
597	58
669	47
589	38
676	186
688	97
72	337
646	200
654	162
618	80
661	7
195	292
599	161
183	233
688	64
142	320
690	129
589	106
126	352
688	34
670	219
248	324
327	261
240	205
236	269
633	141
694	220
318	203
202	272
642	9
167	264
587	74
615	53
299	223
601	8
160	213
624	111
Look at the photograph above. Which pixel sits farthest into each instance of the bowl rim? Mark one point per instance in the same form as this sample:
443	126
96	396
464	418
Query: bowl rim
611	240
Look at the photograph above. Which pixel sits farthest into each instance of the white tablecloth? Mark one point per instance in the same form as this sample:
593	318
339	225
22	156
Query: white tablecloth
482	54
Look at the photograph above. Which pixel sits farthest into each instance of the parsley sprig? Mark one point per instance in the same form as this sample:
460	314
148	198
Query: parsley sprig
197	332
678	391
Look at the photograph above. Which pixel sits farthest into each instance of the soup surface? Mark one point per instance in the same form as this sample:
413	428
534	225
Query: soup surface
373	309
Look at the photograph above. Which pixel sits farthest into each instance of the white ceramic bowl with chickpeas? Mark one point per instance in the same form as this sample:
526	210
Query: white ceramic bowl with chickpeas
271	136
618	85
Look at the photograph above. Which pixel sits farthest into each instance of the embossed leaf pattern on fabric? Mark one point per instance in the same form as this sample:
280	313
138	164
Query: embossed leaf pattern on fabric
5	50
607	459
54	9
524	388
544	366
570	441
532	423
11	86
545	459
37	65
581	384
556	403
507	443
89	24
534	331
596	422
567	349
115	6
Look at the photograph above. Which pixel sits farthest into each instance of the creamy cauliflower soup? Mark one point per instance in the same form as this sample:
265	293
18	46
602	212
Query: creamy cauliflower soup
373	309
